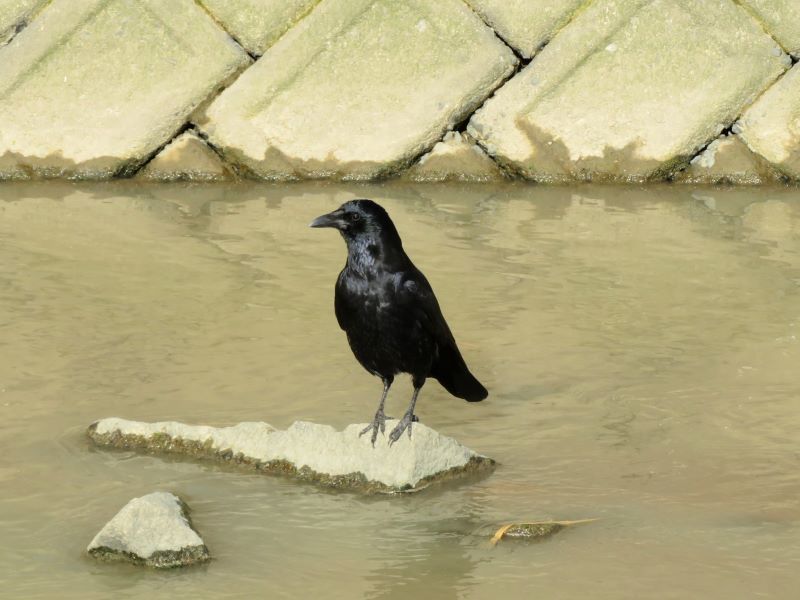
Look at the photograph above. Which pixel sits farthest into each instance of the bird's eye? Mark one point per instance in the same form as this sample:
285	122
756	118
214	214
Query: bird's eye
355	217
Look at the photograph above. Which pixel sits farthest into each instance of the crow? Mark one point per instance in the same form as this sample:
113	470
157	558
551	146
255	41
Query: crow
390	315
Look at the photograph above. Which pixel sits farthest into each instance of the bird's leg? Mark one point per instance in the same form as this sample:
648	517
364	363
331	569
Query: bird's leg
379	422
408	418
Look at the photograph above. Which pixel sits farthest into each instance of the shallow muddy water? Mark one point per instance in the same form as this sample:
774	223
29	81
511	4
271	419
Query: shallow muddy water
640	345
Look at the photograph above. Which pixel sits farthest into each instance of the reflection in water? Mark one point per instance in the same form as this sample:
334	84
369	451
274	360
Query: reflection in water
640	346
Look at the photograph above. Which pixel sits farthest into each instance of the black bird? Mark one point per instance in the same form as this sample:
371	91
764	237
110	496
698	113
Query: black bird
390	314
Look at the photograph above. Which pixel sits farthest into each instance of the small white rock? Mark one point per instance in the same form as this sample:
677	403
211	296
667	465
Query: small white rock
152	530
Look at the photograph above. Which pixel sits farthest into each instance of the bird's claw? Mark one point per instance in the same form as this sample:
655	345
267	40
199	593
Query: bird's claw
378	423
404	425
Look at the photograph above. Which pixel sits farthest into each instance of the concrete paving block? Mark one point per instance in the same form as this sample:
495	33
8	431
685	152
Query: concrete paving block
771	126
92	88
526	25
456	158
358	89
728	160
605	101
257	24
781	18
14	15
186	158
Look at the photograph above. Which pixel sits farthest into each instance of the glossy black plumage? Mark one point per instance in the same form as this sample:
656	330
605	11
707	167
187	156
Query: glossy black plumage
389	312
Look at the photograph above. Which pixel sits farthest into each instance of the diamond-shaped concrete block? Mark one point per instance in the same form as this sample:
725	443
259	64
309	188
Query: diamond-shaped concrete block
358	89
14	14
781	18
526	25
186	158
629	90
456	158
728	160
257	24
771	126
93	87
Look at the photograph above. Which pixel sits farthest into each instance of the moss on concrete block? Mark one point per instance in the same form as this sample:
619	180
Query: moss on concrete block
94	87
257	24
526	25
771	126
358	89
186	158
629	90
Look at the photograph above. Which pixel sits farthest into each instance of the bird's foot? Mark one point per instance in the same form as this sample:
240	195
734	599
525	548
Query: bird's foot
403	425
378	423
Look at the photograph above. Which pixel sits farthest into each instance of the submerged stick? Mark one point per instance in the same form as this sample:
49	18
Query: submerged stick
534	530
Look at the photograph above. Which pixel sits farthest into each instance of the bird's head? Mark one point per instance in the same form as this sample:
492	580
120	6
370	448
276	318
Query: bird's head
360	219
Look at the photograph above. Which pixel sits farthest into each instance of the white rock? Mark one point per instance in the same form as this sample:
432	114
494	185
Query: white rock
457	157
579	111
92	88
186	158
771	126
257	24
314	452
358	90
153	530
526	25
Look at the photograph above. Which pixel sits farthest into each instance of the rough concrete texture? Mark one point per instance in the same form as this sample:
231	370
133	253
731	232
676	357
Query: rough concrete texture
91	88
153	530
456	158
605	101
728	160
186	158
335	98
308	451
771	126
257	24
781	18
14	15
523	24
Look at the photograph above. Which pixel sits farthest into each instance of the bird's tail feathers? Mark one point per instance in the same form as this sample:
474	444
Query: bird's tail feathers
451	371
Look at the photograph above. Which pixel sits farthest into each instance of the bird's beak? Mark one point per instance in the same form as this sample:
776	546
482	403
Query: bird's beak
333	219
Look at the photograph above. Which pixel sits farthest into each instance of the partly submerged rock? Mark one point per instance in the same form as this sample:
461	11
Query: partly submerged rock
153	530
307	451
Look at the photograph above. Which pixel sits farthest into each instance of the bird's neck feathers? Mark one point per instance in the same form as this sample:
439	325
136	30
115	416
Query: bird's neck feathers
371	252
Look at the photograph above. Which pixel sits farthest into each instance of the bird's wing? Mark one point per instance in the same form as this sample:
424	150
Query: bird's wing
342	302
448	367
417	296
